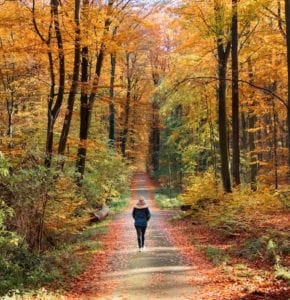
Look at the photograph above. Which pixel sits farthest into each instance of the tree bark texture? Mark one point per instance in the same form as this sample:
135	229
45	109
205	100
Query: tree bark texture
287	16
235	97
74	84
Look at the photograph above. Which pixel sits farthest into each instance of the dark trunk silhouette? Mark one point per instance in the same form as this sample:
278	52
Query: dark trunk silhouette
223	49
235	97
112	104
287	16
127	107
74	84
54	108
88	99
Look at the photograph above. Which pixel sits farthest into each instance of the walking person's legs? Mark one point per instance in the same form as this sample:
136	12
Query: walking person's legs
143	231
139	236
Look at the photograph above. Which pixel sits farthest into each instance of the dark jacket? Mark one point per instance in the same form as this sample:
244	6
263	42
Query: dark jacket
141	216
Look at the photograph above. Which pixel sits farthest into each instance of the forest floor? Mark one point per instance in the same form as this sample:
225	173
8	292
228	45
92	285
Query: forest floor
171	267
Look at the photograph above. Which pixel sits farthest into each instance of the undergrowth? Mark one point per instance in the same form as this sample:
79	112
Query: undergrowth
242	219
167	199
28	272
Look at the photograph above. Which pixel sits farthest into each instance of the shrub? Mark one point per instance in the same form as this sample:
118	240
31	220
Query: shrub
215	255
46	205
282	273
230	214
164	200
106	178
252	248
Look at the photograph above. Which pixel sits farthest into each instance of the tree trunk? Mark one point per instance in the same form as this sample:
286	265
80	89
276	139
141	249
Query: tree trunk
155	128
223	51
54	109
252	124
10	111
222	116
112	105
50	123
74	84
127	107
84	113
155	136
287	16
275	140
88	99
235	97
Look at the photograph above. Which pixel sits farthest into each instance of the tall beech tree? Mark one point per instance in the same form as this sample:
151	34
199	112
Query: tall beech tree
129	63
88	97
287	17
223	52
235	96
74	83
252	135
57	83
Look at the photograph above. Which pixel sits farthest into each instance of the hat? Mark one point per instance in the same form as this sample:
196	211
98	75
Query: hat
141	203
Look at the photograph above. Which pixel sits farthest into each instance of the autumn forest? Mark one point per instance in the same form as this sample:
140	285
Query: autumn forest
185	103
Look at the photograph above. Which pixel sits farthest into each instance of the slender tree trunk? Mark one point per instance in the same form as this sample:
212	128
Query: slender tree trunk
112	105
74	84
275	140
113	58
155	136
235	97
10	110
252	124
287	16
223	137
223	51
155	128
127	107
244	121
54	109
84	113
212	136
88	99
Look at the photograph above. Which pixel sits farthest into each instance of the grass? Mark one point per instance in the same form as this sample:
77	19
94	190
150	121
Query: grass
216	255
166	199
119	204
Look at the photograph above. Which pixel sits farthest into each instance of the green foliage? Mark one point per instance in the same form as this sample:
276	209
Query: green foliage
117	204
284	197
216	255
252	248
190	135
167	199
282	273
202	189
47	207
230	214
106	178
19	267
39	294
265	247
3	166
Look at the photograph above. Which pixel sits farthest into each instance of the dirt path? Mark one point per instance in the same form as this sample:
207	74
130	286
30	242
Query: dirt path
170	267
157	273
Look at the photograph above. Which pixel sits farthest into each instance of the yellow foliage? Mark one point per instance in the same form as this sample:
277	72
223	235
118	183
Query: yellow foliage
65	210
210	203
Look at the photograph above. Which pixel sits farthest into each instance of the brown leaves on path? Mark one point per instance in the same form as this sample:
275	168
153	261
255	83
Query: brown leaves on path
93	283
221	282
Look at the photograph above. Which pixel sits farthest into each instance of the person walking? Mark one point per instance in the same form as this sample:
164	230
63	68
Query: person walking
141	215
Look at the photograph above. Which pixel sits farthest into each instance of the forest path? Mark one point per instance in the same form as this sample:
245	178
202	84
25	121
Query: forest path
170	267
159	272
